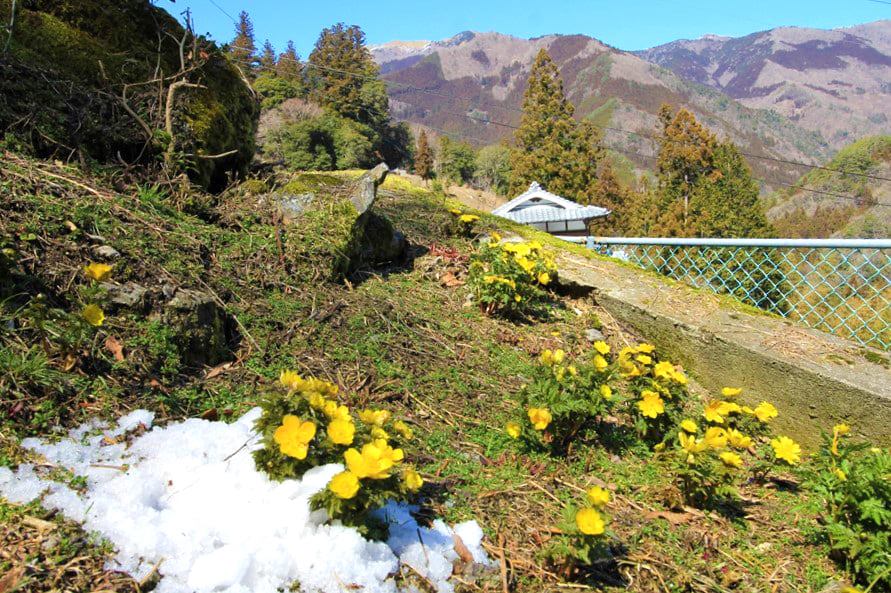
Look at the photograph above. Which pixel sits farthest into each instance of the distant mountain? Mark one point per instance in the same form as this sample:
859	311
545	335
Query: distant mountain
484	75
835	82
830	210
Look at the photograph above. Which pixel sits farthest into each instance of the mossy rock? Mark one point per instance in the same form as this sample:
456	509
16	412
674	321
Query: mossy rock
337	231
69	60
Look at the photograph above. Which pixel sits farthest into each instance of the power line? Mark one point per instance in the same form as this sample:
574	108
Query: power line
221	9
651	137
609	128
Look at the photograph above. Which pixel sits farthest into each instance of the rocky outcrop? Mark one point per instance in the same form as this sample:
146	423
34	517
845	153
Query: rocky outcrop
200	328
63	81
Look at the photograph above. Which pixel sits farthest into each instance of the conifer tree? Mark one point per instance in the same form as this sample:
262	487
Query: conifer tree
344	76
705	186
243	49
267	58
550	146
424	157
288	65
686	159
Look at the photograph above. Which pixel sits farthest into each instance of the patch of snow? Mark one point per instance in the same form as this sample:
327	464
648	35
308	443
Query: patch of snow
186	500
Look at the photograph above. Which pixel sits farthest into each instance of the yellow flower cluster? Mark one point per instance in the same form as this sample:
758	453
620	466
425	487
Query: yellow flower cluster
531	258
375	459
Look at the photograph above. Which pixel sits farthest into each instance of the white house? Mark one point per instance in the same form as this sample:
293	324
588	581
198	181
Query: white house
549	212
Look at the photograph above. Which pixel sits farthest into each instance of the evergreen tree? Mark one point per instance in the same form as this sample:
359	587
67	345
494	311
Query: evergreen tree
705	186
267	58
550	146
344	76
243	49
288	65
686	159
424	157
611	194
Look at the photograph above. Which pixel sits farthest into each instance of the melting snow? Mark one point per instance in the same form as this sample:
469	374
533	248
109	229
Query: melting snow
178	499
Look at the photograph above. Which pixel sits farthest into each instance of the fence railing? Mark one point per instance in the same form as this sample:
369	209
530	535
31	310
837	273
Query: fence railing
840	286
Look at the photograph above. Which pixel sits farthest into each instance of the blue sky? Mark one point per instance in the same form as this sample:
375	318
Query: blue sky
626	24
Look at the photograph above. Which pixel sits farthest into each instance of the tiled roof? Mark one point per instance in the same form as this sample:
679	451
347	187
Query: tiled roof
538	205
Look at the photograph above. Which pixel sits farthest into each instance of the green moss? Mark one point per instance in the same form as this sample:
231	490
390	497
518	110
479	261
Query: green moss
875	358
90	48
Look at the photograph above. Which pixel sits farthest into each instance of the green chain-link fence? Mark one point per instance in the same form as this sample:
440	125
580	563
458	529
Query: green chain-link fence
838	286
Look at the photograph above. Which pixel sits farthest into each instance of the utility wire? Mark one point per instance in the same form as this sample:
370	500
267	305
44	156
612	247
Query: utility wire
650	137
608	128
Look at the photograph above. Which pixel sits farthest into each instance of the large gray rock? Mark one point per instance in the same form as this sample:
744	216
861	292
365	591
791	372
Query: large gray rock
200	326
366	189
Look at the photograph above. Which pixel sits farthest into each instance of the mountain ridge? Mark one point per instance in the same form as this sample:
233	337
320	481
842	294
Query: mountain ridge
471	86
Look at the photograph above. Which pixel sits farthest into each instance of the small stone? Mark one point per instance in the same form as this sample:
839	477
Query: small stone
130	295
106	252
594	335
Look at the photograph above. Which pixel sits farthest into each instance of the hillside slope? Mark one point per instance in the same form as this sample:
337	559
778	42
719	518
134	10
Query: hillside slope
484	75
836	82
399	338
798	213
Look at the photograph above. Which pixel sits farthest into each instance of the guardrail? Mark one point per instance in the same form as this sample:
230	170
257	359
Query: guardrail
840	286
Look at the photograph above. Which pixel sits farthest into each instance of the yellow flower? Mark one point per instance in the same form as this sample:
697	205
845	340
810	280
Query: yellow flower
404	430
606	392
727	408
513	430
731	391
589	522
689	426
559	356
841	475
573	371
663	370
712	412
291	380
468	218
93	315
839	430
97	272
546	357
651	405
645	348
518	298
738	440
336	412
544	278
643	359
374	417
601	347
455	211
765	411
294	435
412	480
628	368
597	496
379	433
375	461
786	449
539	417
748	410
341	431
344	485
731	459
691	444
600	363
715	438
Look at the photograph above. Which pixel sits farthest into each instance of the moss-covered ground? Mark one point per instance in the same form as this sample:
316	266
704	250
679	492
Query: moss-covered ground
401	337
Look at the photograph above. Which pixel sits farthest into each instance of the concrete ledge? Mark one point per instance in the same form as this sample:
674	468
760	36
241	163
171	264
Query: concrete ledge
814	379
